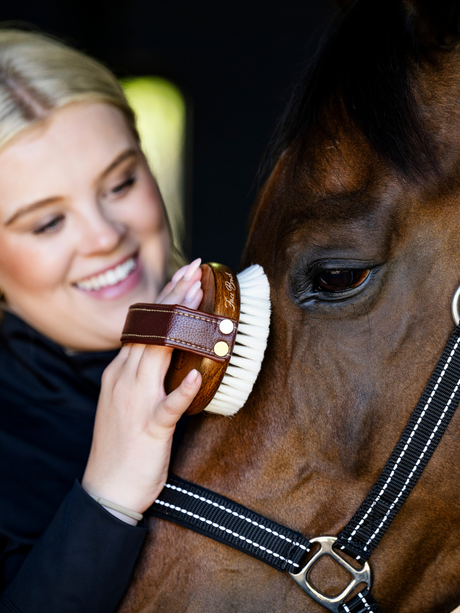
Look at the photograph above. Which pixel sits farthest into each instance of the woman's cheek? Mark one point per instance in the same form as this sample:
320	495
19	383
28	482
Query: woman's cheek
26	267
146	218
145	209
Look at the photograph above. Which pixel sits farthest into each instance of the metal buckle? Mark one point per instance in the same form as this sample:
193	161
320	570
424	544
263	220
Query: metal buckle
326	549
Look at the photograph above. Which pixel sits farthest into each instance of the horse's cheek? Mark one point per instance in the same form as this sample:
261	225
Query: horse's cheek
210	577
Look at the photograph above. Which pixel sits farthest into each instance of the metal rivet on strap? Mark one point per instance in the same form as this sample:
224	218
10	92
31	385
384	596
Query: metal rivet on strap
226	326
221	349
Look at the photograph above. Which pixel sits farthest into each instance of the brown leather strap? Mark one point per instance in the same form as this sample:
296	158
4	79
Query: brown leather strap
182	328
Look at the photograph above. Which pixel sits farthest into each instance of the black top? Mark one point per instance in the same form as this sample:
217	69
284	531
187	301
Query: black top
60	551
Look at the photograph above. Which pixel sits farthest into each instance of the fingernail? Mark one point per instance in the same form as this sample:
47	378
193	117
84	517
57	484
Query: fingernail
190	295
191	377
177	276
192	268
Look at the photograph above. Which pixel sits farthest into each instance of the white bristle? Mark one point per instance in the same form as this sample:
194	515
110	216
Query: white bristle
251	319
251	331
239	364
239	384
250	353
250	343
221	408
230	395
252	302
252	310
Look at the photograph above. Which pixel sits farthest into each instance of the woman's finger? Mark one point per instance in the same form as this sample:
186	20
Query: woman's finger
173	406
185	275
123	369
191	269
153	365
194	301
177	276
177	294
192	292
114	369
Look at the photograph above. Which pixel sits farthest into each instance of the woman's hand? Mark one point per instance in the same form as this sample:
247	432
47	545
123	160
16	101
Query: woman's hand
135	419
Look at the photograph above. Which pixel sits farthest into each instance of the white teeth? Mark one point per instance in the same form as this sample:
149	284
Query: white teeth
109	277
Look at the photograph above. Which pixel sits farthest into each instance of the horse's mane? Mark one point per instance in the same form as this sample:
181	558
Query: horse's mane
367	67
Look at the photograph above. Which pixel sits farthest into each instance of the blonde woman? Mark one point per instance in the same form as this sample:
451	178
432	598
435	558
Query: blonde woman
83	234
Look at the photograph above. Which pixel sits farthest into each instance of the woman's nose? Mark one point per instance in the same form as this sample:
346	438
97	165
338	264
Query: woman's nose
100	234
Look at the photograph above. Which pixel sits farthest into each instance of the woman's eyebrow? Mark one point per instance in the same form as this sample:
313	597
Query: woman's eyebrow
28	208
118	160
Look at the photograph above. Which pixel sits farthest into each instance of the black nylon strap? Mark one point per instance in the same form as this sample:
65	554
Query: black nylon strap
361	603
410	456
223	520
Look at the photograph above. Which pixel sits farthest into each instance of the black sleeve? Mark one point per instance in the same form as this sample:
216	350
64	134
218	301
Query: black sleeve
81	564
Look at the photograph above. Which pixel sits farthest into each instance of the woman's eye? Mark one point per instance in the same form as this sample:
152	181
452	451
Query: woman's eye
49	226
122	187
340	280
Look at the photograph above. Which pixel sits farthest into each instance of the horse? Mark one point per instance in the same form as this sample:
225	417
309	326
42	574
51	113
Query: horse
357	228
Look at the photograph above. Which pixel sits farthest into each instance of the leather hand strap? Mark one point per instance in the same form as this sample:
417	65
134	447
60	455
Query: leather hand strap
181	328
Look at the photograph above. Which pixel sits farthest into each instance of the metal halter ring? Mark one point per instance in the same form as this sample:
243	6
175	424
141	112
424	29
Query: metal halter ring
455	312
326	548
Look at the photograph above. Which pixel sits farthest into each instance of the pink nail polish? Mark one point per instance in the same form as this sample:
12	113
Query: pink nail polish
191	377
190	295
192	268
177	276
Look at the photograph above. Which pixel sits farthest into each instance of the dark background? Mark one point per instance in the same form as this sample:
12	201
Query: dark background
235	62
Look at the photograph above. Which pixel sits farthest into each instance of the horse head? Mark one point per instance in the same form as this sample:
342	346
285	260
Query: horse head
357	229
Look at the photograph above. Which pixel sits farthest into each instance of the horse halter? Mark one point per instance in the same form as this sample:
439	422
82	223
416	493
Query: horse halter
226	521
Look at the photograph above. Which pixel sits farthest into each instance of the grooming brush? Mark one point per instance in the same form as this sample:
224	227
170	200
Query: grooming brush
224	339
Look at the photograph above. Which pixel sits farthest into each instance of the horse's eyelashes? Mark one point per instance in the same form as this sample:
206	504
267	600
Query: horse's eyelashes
340	280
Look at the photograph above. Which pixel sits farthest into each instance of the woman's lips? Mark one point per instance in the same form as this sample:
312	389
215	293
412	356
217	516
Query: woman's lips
114	282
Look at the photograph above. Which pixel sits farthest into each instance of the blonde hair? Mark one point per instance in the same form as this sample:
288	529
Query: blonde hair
39	75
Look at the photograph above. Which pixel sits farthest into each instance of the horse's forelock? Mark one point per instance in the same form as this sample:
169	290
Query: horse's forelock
368	67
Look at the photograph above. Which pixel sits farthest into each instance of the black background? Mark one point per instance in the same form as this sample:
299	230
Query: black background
236	64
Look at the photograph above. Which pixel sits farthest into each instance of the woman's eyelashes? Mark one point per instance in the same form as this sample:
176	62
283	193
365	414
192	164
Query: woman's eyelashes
50	225
53	223
122	188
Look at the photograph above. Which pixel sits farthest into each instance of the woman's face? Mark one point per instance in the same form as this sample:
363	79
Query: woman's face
82	230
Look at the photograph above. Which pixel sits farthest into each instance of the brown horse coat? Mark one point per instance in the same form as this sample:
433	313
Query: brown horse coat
345	366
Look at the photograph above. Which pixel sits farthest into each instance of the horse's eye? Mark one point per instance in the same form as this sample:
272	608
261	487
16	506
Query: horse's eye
340	280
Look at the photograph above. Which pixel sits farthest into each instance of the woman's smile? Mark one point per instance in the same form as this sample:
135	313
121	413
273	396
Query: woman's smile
113	282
